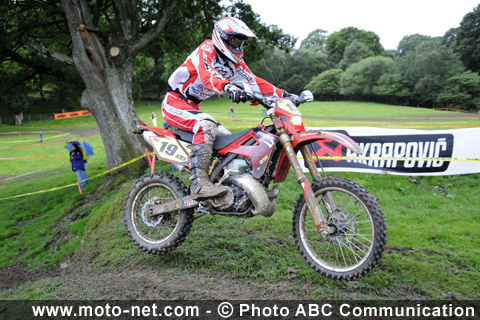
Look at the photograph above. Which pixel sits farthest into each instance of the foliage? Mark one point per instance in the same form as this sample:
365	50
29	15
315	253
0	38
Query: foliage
411	42
65	95
29	31
450	38
354	52
421	66
193	23
468	40
196	19
362	77
33	32
12	98
419	71
316	40
326	85
426	67
272	65
267	36
393	88
301	67
462	91
16	102
41	42
338	41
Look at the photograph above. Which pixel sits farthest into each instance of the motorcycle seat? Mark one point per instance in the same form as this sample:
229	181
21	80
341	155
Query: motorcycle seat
220	141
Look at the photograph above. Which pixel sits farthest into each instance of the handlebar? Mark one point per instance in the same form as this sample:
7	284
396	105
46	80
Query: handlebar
269	102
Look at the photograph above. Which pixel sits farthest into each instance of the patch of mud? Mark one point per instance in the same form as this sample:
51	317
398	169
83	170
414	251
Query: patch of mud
22	223
150	283
16	276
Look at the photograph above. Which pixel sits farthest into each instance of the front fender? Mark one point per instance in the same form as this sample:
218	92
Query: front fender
307	137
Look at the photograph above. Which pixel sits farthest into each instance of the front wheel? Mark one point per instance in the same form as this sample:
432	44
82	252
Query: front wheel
162	233
359	231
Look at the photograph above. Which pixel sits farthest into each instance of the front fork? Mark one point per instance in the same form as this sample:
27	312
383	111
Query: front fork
310	164
312	204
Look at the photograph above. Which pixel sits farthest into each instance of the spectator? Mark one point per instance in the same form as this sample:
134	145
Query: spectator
78	164
153	117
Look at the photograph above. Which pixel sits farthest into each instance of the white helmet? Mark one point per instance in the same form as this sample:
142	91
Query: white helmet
229	36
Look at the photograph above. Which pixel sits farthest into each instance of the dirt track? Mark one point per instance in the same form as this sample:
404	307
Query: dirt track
159	283
153	284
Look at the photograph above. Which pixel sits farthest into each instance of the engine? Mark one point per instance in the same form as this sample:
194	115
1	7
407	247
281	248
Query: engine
237	166
248	192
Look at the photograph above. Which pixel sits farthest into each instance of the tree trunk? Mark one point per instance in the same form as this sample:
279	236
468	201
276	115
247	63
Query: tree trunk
111	103
108	93
18	119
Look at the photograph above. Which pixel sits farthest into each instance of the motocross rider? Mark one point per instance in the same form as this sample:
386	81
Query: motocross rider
215	67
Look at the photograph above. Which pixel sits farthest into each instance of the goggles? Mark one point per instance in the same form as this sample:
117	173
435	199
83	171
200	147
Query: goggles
237	43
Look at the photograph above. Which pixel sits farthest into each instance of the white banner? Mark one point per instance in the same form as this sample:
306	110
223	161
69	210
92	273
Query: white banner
402	151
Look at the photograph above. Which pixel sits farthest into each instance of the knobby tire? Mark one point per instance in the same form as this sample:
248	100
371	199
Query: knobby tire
164	233
360	236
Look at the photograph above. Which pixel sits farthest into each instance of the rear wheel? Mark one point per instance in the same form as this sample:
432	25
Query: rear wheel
359	237
162	233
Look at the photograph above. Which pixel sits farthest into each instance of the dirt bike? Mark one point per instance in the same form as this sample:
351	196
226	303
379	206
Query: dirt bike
338	225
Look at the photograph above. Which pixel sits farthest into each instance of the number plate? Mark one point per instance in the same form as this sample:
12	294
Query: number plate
171	150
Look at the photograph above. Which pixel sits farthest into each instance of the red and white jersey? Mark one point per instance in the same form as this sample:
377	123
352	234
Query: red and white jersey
205	73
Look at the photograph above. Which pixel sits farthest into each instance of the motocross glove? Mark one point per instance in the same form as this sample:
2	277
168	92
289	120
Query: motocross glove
236	94
292	97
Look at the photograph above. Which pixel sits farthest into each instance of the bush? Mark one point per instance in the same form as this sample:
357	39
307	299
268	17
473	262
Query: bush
16	103
462	91
361	77
326	85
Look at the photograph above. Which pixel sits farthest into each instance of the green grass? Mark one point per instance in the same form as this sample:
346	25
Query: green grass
433	245
327	114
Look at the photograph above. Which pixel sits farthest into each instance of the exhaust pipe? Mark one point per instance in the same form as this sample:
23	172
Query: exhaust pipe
265	202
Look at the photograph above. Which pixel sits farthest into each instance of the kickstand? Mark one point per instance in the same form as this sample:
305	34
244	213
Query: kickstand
244	217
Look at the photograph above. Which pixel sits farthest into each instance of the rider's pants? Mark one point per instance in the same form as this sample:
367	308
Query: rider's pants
186	115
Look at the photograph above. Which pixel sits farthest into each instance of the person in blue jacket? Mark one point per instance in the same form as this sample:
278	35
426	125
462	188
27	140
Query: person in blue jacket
78	165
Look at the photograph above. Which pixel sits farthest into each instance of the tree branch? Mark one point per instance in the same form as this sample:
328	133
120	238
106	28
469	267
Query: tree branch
151	34
143	72
43	68
88	52
92	46
60	57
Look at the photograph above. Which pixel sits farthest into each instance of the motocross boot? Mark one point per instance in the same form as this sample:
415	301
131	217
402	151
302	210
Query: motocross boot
200	181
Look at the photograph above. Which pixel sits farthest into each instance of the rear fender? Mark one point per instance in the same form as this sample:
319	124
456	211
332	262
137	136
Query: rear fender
307	137
163	132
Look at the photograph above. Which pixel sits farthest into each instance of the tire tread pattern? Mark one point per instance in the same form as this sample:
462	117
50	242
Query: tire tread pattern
379	239
185	218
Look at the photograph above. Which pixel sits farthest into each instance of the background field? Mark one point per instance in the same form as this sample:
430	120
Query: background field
63	245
